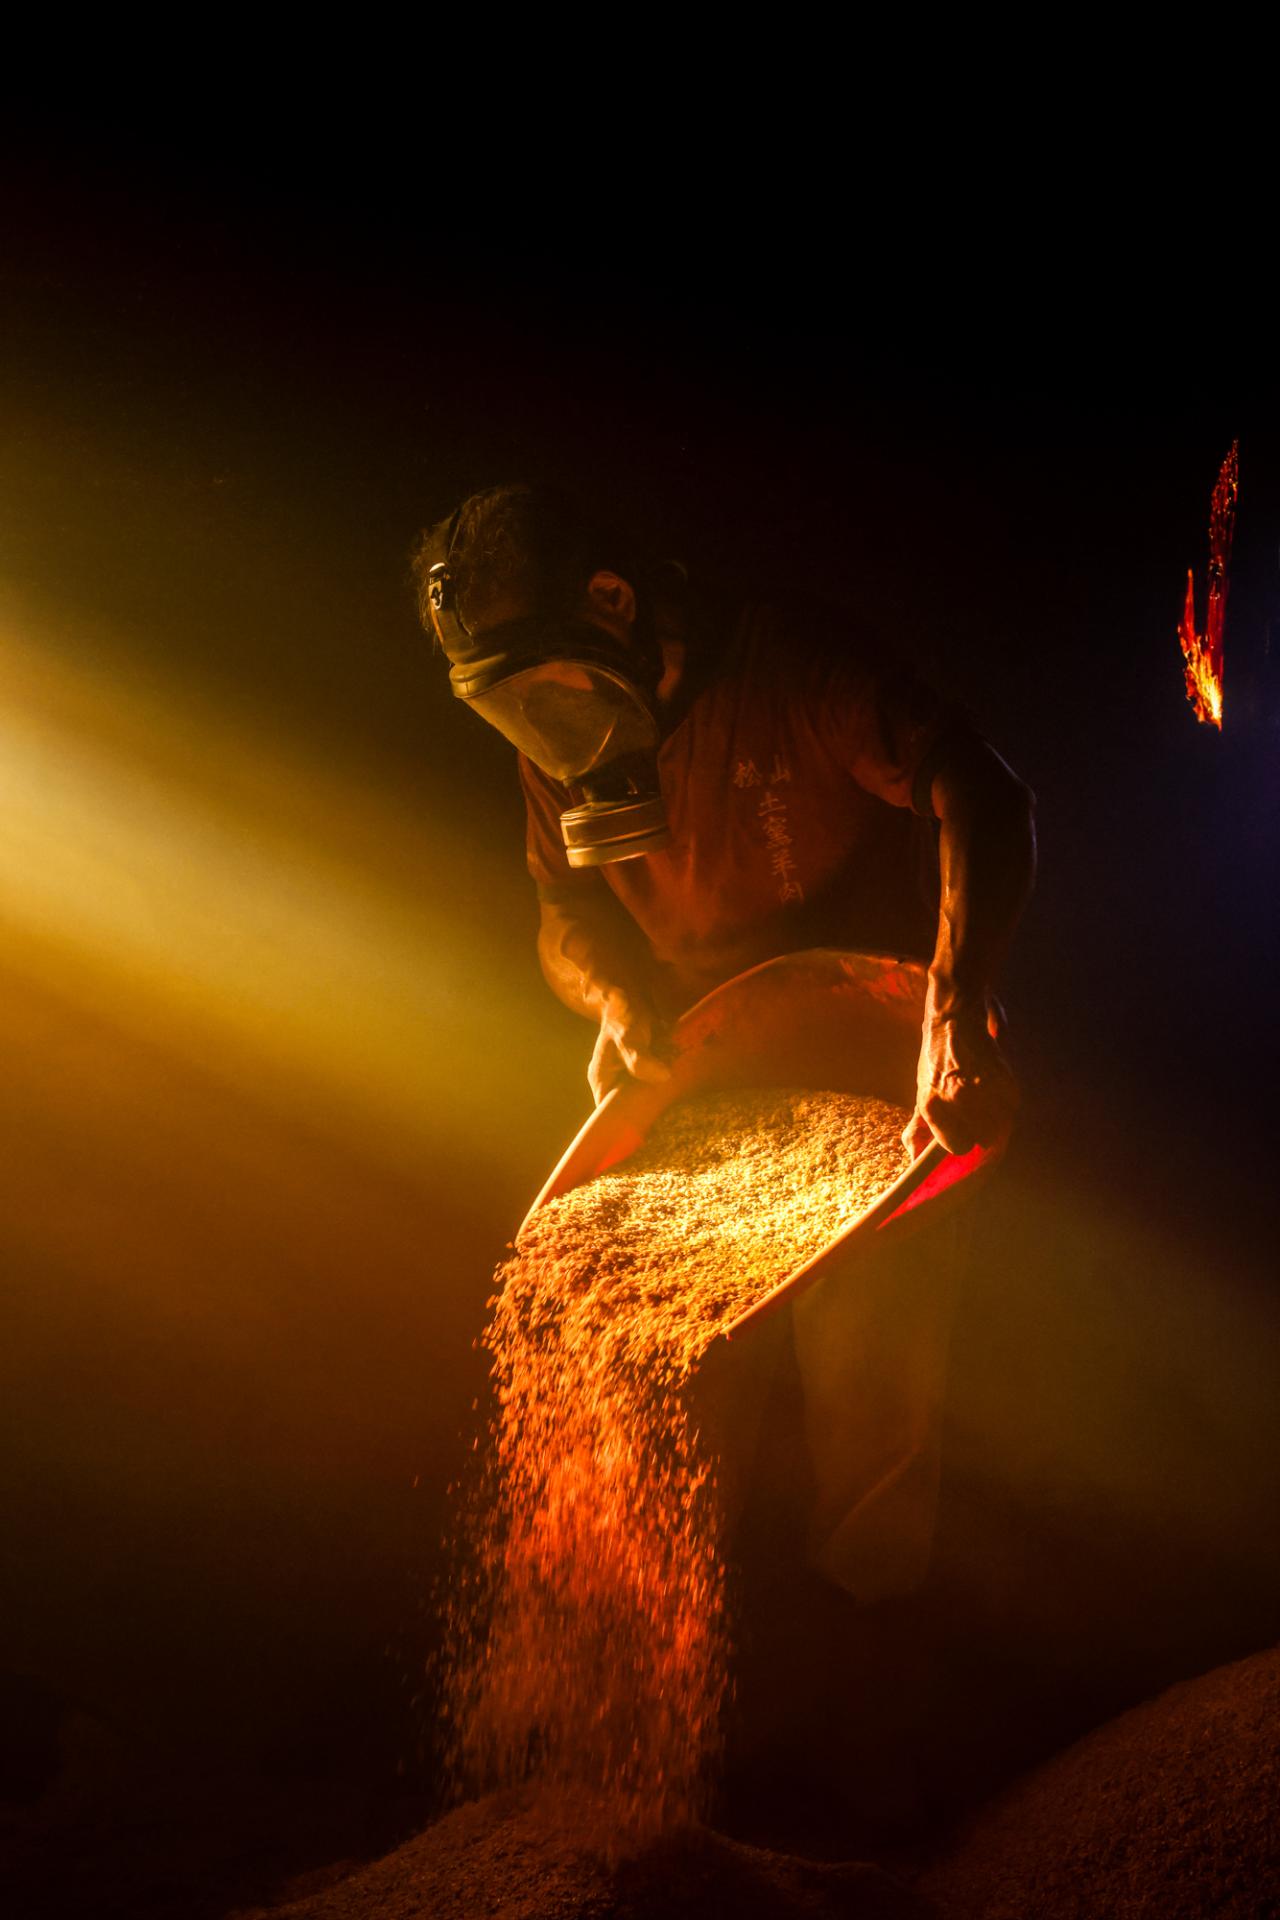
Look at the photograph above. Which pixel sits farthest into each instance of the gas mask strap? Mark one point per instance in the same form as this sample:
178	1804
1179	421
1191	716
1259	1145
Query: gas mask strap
440	584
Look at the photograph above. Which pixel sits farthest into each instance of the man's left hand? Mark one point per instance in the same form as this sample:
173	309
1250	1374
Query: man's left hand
966	1094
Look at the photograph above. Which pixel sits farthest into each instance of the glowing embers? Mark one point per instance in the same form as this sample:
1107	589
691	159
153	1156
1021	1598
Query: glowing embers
586	1637
1203	652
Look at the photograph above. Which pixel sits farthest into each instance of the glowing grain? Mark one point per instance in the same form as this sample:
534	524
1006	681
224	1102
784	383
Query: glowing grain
587	1643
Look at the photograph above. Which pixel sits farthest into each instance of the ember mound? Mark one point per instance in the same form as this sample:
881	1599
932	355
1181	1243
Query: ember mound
506	1858
1172	1810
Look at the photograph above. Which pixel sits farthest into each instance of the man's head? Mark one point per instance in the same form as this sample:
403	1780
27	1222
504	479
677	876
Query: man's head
516	551
532	600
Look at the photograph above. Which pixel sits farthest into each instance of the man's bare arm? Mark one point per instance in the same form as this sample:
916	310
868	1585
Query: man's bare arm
592	964
966	1093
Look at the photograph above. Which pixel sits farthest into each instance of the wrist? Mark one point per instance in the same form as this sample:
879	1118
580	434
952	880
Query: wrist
948	998
625	1010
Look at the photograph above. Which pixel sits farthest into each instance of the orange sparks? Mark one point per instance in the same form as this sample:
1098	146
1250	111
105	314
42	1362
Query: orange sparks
1203	653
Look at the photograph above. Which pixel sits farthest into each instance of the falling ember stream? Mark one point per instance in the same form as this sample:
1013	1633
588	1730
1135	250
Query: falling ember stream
586	1640
1203	652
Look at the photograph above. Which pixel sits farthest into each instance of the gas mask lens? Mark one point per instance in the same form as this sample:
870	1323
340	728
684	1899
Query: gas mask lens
568	717
587	727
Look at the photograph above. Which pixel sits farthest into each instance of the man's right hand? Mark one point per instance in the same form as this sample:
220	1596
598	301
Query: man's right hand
630	1040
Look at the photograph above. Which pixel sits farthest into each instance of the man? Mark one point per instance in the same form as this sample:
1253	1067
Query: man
708	787
802	776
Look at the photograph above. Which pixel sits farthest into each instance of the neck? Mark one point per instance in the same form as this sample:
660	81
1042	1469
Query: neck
689	635
674	658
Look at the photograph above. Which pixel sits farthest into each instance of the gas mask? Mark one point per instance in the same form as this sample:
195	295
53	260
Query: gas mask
575	701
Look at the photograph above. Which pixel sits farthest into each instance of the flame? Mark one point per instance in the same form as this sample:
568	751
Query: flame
1202	653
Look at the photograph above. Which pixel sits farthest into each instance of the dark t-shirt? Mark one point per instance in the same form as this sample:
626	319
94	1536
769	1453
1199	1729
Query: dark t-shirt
788	787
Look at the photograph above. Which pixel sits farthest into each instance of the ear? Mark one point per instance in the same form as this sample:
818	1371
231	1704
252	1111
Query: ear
613	601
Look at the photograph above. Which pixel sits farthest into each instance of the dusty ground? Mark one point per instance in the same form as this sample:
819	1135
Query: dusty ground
500	1858
1170	1812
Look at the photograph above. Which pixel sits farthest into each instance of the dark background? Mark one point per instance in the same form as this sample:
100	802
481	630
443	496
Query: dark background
242	1272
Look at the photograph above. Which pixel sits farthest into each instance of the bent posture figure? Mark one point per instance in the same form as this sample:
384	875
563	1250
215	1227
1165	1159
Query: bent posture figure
710	786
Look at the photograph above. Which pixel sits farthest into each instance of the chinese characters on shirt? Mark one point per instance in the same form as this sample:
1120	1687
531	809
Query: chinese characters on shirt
772	813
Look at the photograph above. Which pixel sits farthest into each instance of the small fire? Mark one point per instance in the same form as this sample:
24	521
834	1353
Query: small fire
1203	652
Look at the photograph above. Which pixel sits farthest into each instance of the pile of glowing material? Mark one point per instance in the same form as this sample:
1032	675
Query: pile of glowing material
1202	653
587	1644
